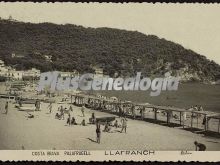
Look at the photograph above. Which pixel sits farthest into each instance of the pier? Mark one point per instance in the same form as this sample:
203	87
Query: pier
198	121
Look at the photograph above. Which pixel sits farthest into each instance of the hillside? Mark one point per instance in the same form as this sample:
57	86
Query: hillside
71	47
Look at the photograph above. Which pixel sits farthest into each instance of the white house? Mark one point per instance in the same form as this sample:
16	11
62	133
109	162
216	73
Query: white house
2	64
12	74
48	58
98	72
32	73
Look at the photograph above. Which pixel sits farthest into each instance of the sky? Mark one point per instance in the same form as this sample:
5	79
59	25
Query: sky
194	26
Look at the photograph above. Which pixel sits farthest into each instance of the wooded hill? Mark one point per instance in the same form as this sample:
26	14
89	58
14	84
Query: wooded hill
117	51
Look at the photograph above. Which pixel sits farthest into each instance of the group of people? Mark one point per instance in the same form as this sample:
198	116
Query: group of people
197	108
61	111
108	126
125	110
60	114
70	120
123	125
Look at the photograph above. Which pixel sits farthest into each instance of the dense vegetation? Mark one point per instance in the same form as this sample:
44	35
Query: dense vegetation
77	48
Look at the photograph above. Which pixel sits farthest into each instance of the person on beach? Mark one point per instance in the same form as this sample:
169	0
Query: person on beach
116	124
204	120
200	146
57	116
73	121
83	110
83	123
124	124
127	110
120	111
133	111
37	105
50	107
107	127
71	109
142	112
62	112
200	108
19	103
195	108
6	108
92	118
98	132
68	120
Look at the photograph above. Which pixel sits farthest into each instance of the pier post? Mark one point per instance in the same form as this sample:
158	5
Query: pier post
205	124
83	100
184	120
180	118
192	119
197	120
108	104
169	115
207	119
155	113
142	113
218	125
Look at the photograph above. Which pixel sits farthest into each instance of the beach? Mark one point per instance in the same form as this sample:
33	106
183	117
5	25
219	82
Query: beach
17	131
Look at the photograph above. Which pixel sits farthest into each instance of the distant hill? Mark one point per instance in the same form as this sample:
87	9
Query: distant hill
48	46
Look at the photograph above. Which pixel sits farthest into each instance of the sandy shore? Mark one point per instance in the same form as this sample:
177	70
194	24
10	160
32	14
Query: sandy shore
45	132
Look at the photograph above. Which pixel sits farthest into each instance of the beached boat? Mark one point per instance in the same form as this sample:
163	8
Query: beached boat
26	108
104	119
28	101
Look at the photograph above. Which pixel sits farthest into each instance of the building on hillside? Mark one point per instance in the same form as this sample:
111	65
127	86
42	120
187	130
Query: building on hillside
13	55
48	58
14	75
2	64
3	69
11	74
98	72
65	74
35	71
32	74
69	74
